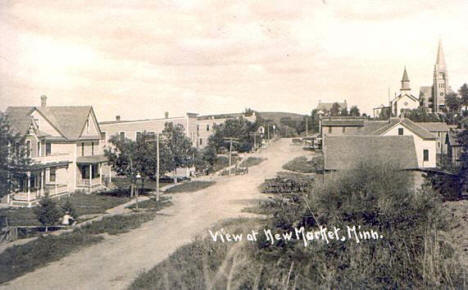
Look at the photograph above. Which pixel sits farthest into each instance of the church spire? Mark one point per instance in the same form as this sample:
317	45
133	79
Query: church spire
440	55
405	82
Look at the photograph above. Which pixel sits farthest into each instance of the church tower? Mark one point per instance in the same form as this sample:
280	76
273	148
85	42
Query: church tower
440	86
405	82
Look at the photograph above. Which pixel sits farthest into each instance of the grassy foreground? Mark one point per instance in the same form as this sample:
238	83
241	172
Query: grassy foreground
413	251
18	260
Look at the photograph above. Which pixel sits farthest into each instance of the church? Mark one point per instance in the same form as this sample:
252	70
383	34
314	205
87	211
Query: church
433	97
405	100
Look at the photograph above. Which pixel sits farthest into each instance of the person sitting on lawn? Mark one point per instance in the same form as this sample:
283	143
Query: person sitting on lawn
68	220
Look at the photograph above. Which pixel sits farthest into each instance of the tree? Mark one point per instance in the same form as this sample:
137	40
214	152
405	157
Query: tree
453	102
238	128
315	120
463	92
130	158
335	109
68	207
47	213
463	170
421	115
354	111
344	112
13	158
179	147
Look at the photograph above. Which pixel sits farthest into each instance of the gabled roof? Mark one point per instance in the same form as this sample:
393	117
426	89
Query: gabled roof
434	126
19	119
68	120
381	127
346	152
400	96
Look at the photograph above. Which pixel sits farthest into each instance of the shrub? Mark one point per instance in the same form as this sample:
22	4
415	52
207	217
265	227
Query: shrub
301	164
47	212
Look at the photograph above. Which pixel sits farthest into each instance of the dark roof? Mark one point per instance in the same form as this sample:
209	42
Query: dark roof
346	152
19	119
405	76
141	120
434	126
379	128
343	122
68	120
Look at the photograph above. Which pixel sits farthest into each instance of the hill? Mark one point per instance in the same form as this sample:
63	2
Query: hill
276	116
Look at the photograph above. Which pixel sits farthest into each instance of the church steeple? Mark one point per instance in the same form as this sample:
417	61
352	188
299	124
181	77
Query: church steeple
440	86
440	55
405	82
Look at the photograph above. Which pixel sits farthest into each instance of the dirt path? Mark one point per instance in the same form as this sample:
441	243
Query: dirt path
117	261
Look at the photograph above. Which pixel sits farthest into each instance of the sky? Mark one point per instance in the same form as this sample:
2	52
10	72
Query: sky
139	59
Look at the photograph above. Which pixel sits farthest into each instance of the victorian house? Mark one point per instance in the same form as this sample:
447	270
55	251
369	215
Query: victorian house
65	147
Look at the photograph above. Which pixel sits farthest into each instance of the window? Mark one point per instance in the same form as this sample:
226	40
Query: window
344	129
329	129
400	131
122	136
137	136
426	155
28	148
82	149
48	149
104	136
38	149
52	174
198	127
87	126
92	148
207	127
201	141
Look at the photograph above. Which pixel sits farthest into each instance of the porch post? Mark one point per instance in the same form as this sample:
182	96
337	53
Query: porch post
90	176
100	173
29	185
42	182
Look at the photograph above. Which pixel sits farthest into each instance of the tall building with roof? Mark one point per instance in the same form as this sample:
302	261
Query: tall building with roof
433	97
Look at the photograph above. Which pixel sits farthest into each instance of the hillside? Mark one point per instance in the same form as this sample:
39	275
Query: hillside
276	116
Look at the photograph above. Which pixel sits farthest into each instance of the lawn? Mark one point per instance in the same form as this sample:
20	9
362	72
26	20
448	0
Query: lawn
84	204
18	260
124	184
251	161
302	165
190	186
223	162
153	204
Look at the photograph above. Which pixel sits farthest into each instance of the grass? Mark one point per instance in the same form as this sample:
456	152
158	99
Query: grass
223	162
124	184
202	264
18	260
84	204
153	204
302	165
190	186
251	161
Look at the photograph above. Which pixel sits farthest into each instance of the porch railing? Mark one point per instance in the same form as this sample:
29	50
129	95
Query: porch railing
88	182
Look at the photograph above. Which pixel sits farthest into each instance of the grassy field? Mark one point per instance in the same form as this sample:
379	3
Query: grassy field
223	162
83	203
18	260
251	161
190	186
124	184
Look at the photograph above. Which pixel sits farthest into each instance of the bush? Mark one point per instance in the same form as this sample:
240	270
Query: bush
251	161
302	165
47	212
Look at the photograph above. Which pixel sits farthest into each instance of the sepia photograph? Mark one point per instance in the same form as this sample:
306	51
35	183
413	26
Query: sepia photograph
222	144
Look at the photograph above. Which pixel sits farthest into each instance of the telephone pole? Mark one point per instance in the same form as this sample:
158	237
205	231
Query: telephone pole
230	139
254	134
157	167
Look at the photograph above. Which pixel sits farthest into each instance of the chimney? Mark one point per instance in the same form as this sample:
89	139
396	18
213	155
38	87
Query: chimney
43	101
117	118
166	115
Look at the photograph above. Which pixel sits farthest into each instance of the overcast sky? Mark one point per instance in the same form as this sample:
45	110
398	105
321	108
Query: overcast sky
139	59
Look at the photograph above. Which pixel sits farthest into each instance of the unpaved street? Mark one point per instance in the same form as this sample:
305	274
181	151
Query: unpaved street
117	261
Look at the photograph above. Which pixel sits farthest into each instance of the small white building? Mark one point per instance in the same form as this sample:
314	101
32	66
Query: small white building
405	100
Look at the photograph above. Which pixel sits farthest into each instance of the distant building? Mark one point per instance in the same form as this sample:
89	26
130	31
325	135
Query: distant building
454	148
433	97
377	112
405	100
440	130
325	108
347	152
425	142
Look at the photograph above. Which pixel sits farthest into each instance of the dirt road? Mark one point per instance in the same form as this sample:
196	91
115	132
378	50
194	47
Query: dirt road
116	262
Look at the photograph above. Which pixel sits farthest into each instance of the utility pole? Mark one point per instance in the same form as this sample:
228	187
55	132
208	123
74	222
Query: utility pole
157	168
230	139
307	126
254	134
